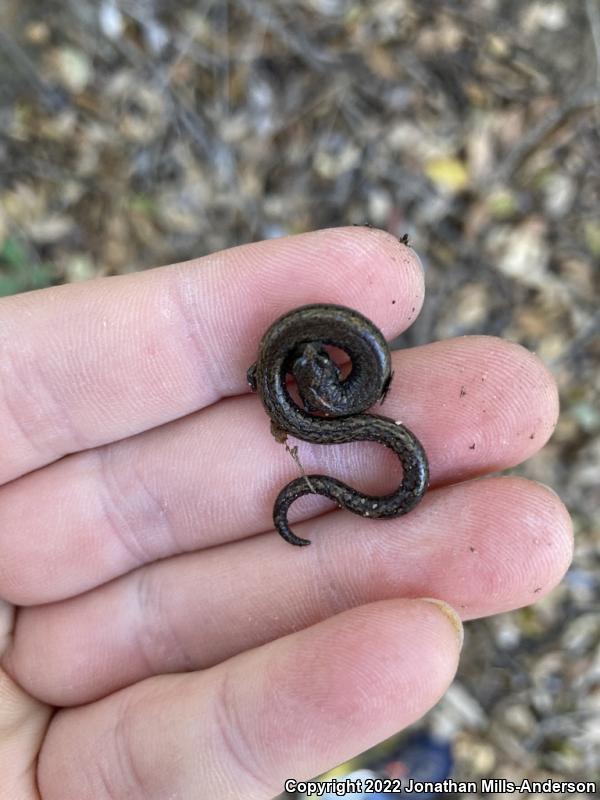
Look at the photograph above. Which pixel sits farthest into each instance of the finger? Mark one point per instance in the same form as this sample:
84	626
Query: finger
90	363
291	708
484	547
476	403
23	722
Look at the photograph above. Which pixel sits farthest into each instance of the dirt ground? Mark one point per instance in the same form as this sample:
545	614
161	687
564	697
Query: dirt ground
141	132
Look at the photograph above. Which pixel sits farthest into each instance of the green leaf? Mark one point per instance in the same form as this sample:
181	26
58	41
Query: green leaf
40	276
13	253
10	284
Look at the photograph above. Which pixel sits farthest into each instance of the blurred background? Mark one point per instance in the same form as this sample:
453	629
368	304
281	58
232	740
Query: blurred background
135	133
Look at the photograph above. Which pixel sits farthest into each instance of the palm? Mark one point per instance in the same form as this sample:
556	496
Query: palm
204	656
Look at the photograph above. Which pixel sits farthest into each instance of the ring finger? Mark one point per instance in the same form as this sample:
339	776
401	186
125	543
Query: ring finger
483	546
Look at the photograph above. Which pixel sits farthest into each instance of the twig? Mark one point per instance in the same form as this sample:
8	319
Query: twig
582	101
293	451
589	334
296	40
50	97
592	9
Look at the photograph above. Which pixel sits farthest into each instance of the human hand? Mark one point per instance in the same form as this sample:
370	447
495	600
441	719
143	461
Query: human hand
189	651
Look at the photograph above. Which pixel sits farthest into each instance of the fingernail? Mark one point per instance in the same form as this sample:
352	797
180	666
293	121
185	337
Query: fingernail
550	489
451	614
418	259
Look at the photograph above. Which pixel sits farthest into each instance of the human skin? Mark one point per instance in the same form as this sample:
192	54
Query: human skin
157	638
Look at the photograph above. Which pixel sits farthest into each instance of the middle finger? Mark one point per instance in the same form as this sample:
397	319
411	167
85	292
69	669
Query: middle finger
476	403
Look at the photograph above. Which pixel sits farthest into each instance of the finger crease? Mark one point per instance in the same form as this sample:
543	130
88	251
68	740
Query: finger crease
114	508
194	335
156	510
157	637
235	743
107	778
131	777
42	424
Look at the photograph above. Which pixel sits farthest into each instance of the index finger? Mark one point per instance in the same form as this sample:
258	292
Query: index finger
86	364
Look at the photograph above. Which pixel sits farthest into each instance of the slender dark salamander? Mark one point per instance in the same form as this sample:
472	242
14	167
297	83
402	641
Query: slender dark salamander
295	344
